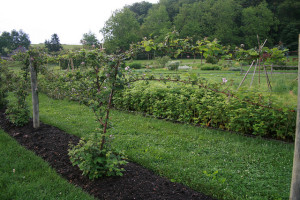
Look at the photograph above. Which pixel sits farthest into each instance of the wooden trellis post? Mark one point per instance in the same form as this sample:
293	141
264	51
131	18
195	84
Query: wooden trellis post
295	185
35	98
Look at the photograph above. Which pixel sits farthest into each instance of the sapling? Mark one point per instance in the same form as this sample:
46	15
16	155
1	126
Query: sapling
107	77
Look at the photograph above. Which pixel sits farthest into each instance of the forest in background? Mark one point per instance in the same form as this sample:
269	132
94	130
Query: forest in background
232	22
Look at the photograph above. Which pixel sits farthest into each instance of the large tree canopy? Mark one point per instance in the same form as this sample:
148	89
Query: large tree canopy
89	39
157	22
232	22
120	30
13	40
53	45
258	20
141	10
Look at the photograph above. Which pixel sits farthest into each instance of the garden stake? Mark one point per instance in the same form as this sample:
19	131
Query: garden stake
268	80
35	98
245	75
295	184
253	73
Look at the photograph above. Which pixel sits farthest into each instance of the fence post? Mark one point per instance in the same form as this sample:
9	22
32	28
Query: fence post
295	184
35	98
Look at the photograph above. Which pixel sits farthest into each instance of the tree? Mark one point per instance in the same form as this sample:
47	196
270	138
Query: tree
120	30
53	45
289	15
141	10
157	23
13	40
225	14
173	6
89	39
258	20
210	18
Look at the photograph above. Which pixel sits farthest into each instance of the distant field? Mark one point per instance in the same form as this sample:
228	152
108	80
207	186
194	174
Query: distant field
65	46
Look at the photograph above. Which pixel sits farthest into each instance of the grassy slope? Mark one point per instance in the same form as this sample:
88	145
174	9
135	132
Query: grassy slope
65	46
245	168
26	176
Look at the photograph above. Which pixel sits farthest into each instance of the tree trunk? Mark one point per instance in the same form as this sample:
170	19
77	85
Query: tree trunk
295	185
35	98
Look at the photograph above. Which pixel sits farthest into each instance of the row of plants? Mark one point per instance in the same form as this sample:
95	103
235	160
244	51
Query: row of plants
107	76
93	155
15	106
252	114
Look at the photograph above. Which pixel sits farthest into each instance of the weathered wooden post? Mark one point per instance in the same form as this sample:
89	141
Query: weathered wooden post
295	185
35	98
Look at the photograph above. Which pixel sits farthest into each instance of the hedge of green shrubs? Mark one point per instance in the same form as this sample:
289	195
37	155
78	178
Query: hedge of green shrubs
185	104
205	107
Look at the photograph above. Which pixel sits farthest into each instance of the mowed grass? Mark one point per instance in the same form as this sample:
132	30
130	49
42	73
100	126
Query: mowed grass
25	176
218	163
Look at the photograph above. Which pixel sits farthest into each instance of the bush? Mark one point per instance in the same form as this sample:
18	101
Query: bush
3	88
173	65
135	65
210	67
209	108
95	162
211	59
17	109
234	69
16	115
162	61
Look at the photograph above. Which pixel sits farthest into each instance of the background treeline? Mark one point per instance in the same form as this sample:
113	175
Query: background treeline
232	22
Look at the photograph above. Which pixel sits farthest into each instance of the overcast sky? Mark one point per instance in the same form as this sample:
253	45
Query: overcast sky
70	19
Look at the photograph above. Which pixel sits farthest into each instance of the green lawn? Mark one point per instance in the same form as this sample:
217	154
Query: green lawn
220	164
25	176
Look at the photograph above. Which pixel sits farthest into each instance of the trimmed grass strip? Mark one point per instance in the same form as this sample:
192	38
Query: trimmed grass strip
220	164
27	176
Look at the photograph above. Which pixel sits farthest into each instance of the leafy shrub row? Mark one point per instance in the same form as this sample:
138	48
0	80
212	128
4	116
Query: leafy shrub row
16	108
208	108
73	85
187	104
210	67
135	65
3	86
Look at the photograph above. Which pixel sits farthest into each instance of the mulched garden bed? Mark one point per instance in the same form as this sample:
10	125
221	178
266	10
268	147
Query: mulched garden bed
51	144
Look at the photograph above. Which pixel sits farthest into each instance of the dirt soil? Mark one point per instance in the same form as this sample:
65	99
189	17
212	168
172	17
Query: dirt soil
51	144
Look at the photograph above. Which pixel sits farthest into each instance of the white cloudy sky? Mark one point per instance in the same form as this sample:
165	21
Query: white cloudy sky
70	19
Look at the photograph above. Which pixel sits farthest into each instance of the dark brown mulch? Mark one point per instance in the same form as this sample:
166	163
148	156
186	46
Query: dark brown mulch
51	144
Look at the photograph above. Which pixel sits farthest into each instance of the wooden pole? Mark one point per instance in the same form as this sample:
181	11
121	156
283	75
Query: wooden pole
35	98
246	74
295	184
254	73
268	80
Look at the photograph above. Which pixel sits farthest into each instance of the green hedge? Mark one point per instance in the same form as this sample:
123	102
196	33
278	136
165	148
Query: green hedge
208	108
184	103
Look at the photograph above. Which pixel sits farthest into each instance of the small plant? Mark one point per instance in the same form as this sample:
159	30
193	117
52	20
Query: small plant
135	65
162	61
3	86
16	115
210	67
94	161
214	176
173	65
17	109
211	59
